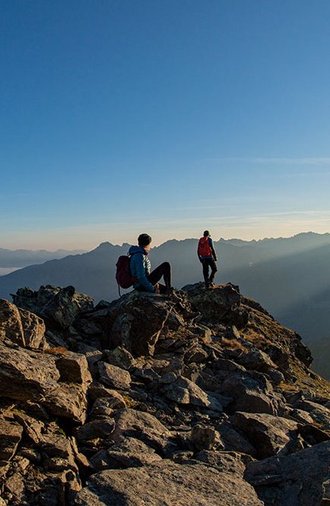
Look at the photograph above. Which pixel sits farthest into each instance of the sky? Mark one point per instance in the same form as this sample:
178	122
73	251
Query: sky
162	116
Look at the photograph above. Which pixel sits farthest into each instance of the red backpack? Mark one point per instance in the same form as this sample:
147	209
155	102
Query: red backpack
204	248
123	272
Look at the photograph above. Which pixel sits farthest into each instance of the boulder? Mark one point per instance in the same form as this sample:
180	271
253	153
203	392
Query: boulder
99	428
136	324
184	391
129	453
59	306
320	414
268	434
221	304
142	426
299	479
167	483
251	394
113	376
204	437
228	462
33	376
19	326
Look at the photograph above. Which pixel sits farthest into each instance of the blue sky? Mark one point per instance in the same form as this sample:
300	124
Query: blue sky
165	116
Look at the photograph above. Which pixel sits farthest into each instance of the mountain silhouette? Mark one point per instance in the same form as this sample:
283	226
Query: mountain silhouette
290	277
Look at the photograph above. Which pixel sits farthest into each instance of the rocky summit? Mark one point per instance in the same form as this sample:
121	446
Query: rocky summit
199	398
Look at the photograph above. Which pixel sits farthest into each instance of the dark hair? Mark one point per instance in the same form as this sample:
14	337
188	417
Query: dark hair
144	240
206	233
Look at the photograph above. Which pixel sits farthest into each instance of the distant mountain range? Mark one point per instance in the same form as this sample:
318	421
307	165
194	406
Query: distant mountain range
290	277
16	259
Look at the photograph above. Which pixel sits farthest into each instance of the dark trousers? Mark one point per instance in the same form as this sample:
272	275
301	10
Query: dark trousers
163	270
207	264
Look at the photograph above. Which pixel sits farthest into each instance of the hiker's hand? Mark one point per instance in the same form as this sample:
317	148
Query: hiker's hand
157	288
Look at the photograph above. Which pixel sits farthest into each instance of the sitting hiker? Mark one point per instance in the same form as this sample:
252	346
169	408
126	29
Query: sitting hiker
147	281
208	257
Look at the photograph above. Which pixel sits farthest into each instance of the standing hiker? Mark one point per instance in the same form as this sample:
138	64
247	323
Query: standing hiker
145	279
208	257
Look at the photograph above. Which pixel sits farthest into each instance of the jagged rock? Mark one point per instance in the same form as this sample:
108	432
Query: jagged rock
114	376
129	453
221	304
298	415
234	440
267	433
256	360
104	406
99	428
204	438
250	394
229	462
60	306
142	426
29	375
10	436
98	390
73	368
320	414
120	357
299	479
167	483
19	326
136	324
184	391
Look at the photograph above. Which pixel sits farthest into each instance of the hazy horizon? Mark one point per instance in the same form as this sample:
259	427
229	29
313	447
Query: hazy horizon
79	249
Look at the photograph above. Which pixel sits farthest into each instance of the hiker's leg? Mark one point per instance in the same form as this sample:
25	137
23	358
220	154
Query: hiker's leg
206	270
163	269
214	269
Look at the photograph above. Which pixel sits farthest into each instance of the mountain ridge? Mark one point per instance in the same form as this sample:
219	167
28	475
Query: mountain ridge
289	282
201	396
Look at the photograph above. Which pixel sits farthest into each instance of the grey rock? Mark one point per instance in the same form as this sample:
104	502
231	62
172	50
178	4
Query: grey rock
299	479
114	376
59	306
229	462
267	433
142	426
167	483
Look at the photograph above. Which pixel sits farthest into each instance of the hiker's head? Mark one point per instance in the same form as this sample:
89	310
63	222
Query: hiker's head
206	233
144	241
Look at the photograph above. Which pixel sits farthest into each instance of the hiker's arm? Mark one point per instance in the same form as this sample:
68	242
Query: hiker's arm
140	274
199	257
213	250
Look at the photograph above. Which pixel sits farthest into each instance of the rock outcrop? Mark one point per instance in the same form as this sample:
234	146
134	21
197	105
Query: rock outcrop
196	398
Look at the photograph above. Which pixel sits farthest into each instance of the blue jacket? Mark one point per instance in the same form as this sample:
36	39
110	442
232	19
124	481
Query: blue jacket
140	268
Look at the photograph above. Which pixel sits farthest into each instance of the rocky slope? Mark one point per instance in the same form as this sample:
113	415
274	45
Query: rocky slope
200	398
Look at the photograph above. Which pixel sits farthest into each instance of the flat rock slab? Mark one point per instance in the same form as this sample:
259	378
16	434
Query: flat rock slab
167	484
